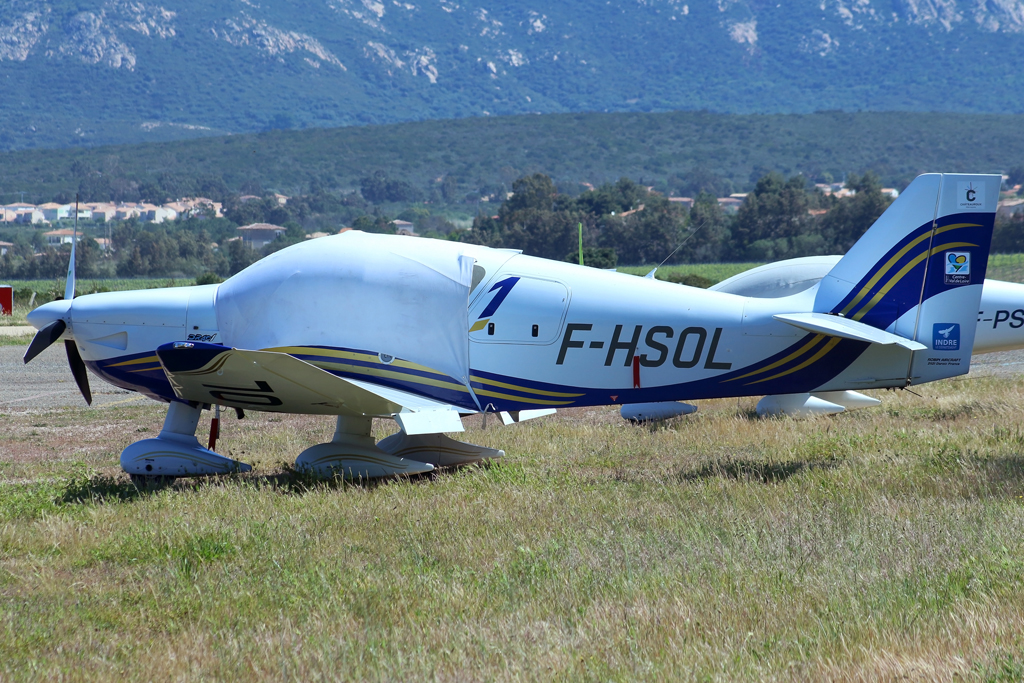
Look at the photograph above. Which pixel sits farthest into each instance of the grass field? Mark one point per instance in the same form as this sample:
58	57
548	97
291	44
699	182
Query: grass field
716	272
883	544
1006	267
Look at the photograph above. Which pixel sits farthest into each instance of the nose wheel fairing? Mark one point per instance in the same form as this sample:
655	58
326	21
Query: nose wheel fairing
176	452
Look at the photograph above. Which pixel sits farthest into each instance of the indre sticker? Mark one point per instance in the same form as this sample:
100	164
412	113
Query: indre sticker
946	336
970	195
957	268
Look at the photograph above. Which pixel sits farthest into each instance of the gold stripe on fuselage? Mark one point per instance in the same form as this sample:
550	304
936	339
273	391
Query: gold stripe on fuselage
136	361
526	390
796	354
816	357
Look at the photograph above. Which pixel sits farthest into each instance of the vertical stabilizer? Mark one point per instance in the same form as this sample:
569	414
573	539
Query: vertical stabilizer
918	271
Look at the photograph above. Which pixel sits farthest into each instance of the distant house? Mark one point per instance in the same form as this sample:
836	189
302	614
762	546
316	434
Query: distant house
316	235
10	211
55	238
828	188
249	198
404	228
32	215
103	242
198	207
53	211
5	247
156	214
281	199
104	212
684	201
890	192
730	204
1010	207
259	235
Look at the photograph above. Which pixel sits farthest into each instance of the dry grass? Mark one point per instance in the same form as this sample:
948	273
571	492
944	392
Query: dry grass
18	316
880	545
15	340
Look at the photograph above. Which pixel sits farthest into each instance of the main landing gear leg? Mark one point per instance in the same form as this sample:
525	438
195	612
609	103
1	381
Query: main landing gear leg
176	451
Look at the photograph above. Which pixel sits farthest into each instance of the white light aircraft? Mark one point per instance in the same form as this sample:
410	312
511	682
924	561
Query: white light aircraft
422	331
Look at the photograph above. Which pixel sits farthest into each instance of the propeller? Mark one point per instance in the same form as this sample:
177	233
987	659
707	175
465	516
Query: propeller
78	369
44	337
52	331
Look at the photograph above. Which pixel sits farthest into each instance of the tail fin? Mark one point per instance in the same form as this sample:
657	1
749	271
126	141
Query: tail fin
918	271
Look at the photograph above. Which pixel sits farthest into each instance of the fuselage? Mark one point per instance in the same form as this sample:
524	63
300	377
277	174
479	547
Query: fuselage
541	334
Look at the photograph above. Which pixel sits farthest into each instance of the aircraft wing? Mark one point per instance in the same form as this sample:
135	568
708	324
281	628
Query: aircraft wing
278	382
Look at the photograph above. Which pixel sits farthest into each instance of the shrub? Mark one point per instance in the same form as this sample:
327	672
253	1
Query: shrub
209	279
688	279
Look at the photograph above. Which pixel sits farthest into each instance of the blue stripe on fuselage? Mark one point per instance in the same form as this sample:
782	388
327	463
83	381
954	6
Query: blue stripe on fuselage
146	378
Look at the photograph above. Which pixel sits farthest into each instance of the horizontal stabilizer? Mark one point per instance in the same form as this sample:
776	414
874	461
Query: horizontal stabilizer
277	382
835	326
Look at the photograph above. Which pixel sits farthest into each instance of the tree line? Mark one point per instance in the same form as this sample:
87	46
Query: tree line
623	223
628	223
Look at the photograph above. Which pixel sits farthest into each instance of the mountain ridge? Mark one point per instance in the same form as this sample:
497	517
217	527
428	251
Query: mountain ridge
86	72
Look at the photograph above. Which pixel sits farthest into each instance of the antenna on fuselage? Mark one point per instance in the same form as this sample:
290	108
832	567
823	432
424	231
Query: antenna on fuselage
678	247
581	243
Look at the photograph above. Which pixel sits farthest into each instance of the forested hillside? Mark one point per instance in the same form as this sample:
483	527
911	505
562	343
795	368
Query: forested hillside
456	161
87	72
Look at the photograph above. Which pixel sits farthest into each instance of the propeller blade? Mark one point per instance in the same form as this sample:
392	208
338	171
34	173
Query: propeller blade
44	337
78	369
69	287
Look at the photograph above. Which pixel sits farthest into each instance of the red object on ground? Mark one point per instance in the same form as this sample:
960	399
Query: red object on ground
6	300
214	433
636	372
